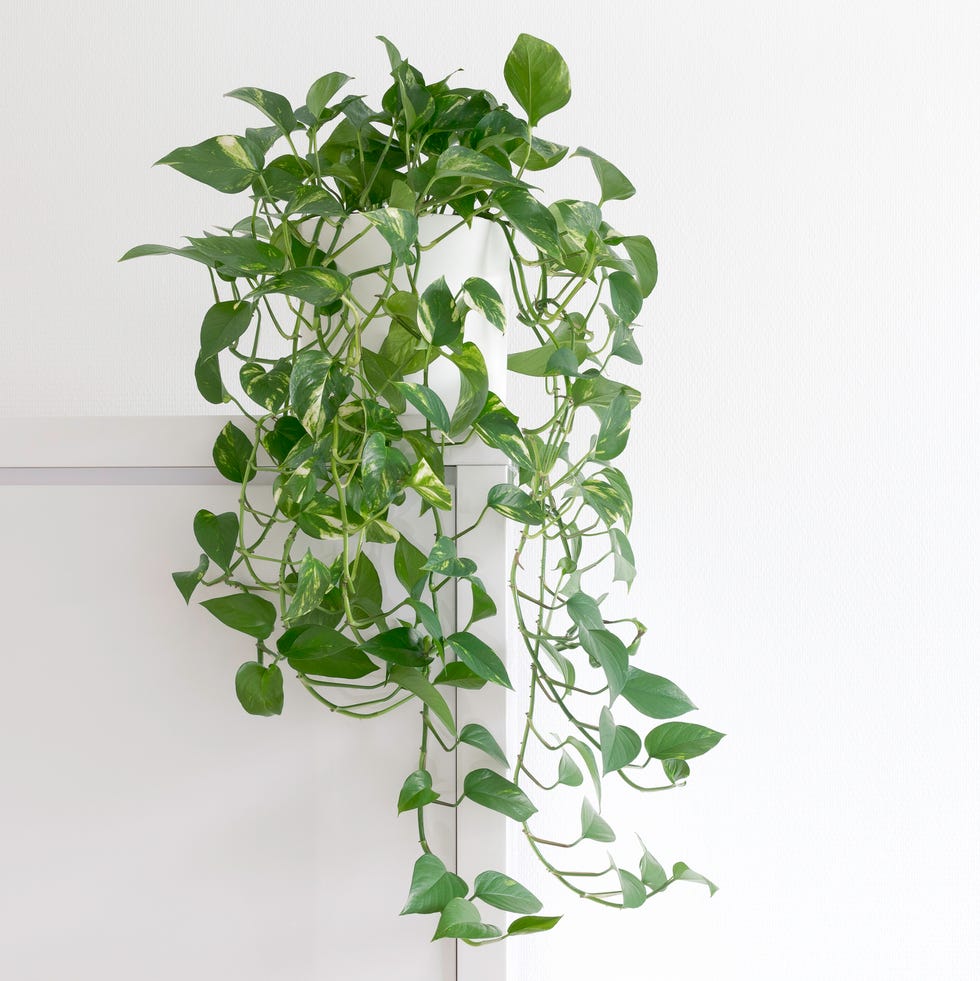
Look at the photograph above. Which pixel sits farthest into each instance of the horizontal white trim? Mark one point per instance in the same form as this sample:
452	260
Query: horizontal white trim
149	442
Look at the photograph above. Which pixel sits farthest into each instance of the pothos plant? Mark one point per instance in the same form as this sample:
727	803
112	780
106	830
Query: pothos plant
343	419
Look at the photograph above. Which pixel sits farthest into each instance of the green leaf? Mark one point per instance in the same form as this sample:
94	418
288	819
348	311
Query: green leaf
428	618
483	297
624	569
491	790
479	736
400	645
620	744
246	612
323	90
501	891
614	429
627	299
227	163
681	741
655	697
444	561
593	826
569	773
239	255
640	250
684	873
416	791
457	675
409	565
461	920
496	429
223	324
411	679
427	402
274	106
313	581
383	471
207	375
217	535
675	770
588	757
537	361
473	168
613	183
400	230
585	612
266	388
598	392
651	871
537	77
532	924
317	388
479	658
474	385
325	653
232	455
313	201
259	688
437	314
427	485
482	607
433	887
512	502
285	434
531	218
187	581
311	284
634	893
606	648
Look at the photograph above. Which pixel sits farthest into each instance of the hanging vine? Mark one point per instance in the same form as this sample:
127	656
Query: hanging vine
343	417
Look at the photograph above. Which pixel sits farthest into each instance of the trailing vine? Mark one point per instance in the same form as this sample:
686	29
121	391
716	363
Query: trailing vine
344	419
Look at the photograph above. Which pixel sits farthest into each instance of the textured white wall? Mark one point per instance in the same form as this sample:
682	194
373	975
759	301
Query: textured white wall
807	455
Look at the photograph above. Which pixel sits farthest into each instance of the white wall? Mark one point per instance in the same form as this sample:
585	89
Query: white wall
806	458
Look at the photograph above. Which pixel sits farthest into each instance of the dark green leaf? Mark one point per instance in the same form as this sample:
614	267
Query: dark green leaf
479	736
226	163
311	284
483	606
613	183
246	612
232	455
479	658
285	434
400	645
408	563
223	324
259	688
266	388
512	502
437	314
457	675
323	90
473	168
473	387
314	201
239	255
276	107
443	560
207	375
383	471
531	218
217	534
537	77
491	790
501	891
411	679
427	402
433	887
655	697
187	581
416	791
483	297
313	580
681	741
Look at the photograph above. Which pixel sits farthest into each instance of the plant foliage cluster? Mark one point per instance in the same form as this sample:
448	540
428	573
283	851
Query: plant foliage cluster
344	422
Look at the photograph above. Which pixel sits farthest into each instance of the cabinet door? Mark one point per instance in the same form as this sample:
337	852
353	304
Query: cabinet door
149	828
